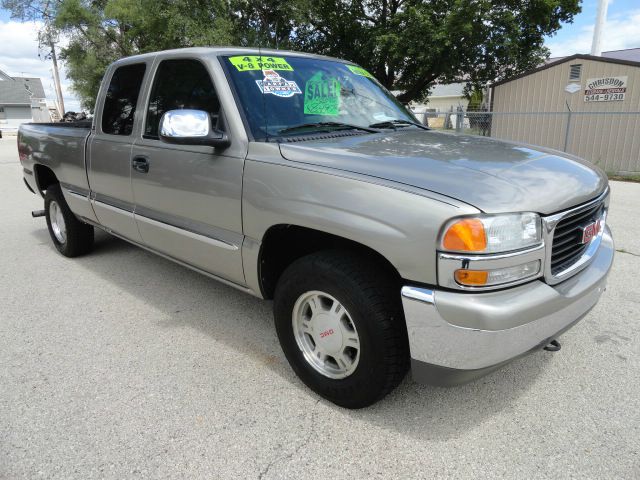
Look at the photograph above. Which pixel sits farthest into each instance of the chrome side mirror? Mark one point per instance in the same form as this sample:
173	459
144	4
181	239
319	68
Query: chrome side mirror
191	127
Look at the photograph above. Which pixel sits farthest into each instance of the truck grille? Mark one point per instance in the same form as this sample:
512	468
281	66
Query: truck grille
567	238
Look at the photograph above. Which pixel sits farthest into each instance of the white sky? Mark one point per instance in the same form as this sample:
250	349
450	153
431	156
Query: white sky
621	31
19	57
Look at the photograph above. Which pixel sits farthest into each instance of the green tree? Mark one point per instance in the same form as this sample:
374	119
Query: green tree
101	31
410	44
407	44
271	24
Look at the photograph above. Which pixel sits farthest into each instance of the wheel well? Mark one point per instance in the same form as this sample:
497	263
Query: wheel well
44	177
283	244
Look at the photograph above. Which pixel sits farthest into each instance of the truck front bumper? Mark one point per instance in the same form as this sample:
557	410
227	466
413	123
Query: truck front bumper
456	337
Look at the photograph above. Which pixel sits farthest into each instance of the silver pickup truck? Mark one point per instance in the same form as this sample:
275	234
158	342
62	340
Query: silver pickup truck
299	178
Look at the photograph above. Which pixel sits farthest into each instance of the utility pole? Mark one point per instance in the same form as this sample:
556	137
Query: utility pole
601	18
54	58
56	77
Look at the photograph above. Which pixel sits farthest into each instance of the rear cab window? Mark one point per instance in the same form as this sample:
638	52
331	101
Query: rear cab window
118	112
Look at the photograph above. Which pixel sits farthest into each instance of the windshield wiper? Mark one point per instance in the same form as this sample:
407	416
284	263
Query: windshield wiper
397	123
331	125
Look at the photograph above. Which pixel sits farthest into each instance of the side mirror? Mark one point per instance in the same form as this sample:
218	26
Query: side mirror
191	127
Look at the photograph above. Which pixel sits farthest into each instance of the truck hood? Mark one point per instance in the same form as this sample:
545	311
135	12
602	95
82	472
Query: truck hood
491	175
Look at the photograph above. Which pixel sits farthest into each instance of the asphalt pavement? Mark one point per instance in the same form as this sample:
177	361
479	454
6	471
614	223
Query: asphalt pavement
121	364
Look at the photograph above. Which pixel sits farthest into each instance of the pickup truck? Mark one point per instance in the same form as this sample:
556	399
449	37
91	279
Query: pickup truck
385	246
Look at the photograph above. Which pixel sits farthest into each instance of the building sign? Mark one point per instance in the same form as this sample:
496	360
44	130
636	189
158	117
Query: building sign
605	89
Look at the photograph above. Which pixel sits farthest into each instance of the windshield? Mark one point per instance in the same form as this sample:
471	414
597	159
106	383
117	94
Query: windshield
284	96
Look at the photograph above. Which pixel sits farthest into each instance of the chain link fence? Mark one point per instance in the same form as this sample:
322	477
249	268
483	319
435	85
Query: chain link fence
610	140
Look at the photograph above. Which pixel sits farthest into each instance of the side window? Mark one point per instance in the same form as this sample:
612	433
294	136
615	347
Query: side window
180	84
120	102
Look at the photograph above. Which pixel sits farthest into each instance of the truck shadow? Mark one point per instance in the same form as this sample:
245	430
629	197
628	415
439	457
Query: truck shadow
184	298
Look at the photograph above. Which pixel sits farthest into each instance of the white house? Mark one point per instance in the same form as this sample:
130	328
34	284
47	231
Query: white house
22	99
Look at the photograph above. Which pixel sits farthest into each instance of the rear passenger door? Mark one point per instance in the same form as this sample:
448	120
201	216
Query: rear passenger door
109	150
188	198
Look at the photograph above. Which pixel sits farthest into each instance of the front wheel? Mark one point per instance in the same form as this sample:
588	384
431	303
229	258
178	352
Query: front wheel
339	321
70	236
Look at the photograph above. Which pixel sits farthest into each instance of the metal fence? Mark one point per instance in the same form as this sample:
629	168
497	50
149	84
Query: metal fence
610	140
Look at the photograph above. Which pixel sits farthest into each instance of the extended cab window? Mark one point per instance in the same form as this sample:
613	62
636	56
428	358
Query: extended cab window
120	102
180	84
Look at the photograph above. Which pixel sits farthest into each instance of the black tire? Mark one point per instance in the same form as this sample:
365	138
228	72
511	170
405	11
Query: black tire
79	235
372	298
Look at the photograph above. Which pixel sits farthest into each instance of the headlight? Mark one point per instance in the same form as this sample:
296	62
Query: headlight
492	233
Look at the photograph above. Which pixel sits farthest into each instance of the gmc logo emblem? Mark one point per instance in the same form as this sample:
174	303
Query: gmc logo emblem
590	231
326	333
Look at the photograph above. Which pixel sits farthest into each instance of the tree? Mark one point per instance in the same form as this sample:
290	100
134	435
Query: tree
101	31
407	44
410	44
271	24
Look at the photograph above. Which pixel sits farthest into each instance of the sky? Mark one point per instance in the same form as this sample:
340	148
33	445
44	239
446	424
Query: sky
19	45
621	31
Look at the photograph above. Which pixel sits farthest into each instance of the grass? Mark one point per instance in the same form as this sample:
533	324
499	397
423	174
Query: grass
624	178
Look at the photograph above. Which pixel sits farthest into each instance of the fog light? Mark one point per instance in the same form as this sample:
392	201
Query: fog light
485	278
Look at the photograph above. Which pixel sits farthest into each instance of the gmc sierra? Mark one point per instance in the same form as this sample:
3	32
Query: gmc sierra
299	178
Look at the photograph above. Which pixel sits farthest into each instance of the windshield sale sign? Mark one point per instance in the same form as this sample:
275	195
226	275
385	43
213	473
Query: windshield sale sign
605	89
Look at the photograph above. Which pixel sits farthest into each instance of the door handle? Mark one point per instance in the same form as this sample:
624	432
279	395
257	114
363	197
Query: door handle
140	164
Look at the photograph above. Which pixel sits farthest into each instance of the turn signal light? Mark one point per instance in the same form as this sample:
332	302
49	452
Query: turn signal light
500	276
472	278
465	235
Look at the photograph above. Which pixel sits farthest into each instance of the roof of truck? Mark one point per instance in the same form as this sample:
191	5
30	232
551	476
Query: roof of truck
218	51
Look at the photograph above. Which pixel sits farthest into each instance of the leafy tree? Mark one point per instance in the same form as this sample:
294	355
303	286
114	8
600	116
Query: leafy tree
407	44
410	44
273	24
101	31
475	99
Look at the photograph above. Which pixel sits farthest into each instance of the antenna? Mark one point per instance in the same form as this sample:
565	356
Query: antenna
264	101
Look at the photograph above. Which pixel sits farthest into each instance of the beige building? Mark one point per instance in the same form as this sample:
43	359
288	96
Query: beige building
447	98
585	105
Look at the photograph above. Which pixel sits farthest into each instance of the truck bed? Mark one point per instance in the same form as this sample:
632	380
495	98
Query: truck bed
58	146
79	124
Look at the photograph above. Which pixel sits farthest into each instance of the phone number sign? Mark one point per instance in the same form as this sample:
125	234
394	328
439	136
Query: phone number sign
605	89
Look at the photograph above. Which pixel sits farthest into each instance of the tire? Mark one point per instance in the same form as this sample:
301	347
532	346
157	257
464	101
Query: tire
371	308
70	236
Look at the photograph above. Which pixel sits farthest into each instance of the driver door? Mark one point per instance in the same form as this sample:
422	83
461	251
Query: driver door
188	198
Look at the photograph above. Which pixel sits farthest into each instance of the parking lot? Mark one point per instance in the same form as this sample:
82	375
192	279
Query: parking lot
122	364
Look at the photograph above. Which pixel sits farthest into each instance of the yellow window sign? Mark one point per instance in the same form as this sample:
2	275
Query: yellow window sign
359	71
253	62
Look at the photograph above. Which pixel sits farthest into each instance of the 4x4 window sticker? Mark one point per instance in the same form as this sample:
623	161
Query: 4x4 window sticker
245	63
359	71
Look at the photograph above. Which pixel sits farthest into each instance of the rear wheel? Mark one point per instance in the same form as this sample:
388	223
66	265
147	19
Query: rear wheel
339	320
69	235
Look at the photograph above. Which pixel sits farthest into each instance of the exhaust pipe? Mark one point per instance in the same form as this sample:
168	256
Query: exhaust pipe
553	346
37	213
